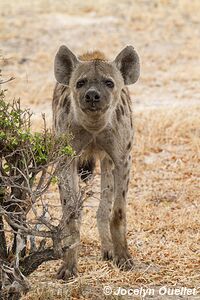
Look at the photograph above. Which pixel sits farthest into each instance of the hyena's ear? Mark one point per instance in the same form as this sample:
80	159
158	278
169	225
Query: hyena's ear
127	61
65	62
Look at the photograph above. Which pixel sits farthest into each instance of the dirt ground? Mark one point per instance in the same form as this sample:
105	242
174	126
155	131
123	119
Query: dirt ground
163	202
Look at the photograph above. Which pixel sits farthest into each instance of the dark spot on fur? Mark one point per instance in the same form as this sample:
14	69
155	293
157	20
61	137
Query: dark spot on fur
60	122
110	161
120	214
117	217
126	164
65	101
118	114
64	201
129	146
62	89
66	104
124	177
122	109
129	106
123	101
108	186
131	123
123	194
115	220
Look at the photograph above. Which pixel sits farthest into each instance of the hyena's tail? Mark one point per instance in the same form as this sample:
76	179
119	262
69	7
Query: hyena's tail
86	168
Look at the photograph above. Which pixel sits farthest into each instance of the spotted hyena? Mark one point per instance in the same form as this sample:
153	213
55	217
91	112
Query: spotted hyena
92	102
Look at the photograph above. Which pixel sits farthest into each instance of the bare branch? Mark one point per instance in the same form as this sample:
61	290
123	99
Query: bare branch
29	163
6	81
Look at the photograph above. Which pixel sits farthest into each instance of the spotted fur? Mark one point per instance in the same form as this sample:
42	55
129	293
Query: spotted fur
101	129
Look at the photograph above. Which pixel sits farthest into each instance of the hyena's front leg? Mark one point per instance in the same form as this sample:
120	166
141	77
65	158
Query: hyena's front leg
71	206
122	257
104	210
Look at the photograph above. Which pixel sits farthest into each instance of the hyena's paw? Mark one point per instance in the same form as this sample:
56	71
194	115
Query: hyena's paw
107	253
66	273
124	261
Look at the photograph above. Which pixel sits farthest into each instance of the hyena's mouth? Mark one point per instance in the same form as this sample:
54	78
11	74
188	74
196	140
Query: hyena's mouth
94	109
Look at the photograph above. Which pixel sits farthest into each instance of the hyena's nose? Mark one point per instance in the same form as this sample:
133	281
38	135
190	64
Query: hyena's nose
92	96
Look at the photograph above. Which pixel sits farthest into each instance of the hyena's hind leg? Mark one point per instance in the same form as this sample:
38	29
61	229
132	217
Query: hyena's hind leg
105	206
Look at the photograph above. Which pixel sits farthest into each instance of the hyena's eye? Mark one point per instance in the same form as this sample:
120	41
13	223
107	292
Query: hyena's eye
80	83
109	83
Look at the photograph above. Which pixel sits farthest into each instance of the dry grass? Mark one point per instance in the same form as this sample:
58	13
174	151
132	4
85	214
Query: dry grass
163	206
163	215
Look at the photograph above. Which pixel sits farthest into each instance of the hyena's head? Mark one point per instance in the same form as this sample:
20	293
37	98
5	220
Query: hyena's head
96	84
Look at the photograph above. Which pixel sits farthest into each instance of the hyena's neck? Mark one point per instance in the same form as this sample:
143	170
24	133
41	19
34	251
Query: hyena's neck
93	122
